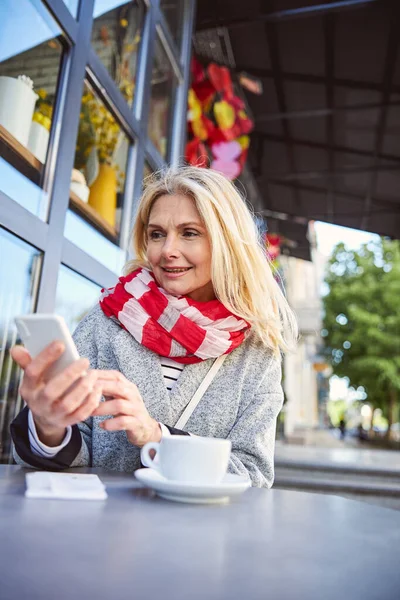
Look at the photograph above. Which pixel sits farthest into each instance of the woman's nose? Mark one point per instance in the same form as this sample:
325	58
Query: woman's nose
170	247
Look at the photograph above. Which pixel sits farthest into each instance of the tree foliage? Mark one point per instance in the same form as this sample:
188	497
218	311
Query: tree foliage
362	320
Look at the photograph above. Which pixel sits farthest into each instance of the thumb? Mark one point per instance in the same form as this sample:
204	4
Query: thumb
21	356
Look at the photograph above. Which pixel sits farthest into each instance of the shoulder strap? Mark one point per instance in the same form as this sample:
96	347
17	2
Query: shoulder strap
201	390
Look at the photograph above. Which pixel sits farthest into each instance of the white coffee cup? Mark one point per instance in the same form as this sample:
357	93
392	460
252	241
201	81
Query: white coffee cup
190	459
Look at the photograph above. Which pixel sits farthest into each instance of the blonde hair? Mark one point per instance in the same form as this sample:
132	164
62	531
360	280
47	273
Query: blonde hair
240	269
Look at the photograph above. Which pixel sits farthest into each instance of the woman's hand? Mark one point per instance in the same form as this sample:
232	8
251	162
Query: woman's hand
68	398
127	407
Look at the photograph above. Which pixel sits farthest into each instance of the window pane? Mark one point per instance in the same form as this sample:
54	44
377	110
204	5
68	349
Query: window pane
22	190
98	178
116	35
72	6
162	88
19	272
30	55
78	231
173	11
75	296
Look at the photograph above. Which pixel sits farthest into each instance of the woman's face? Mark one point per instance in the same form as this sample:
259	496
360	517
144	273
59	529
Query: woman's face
179	249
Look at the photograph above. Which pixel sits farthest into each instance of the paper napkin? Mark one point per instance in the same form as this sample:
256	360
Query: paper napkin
65	486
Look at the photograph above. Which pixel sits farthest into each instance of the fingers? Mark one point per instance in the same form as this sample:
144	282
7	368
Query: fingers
73	400
119	389
57	386
86	409
111	375
122	423
36	368
21	356
115	407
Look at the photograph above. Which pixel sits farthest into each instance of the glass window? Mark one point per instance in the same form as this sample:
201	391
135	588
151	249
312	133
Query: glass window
75	296
98	177
117	29
23	190
173	11
163	83
30	55
86	237
72	5
19	273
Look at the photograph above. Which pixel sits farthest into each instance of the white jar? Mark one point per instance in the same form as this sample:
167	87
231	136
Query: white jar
38	140
17	104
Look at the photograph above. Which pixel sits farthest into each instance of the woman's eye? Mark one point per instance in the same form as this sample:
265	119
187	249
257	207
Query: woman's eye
155	235
190	233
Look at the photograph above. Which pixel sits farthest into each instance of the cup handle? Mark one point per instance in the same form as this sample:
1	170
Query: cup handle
145	455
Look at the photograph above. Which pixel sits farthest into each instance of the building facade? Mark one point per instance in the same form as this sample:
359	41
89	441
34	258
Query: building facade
93	97
305	375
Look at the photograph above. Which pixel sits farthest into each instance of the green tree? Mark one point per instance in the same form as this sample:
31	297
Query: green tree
362	320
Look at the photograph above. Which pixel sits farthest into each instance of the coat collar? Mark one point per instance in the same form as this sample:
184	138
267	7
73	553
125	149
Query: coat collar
142	366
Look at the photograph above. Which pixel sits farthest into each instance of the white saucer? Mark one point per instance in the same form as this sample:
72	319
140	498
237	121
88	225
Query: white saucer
196	493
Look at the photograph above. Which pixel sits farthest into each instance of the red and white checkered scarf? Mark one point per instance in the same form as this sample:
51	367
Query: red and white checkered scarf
177	327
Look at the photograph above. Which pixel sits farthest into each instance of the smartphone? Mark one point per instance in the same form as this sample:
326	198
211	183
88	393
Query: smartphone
39	330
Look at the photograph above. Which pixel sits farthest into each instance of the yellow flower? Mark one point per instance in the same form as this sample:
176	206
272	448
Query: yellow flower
194	106
37	117
46	123
224	114
199	129
244	141
42	93
123	23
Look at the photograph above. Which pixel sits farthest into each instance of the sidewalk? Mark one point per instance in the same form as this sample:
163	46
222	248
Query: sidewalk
321	447
325	464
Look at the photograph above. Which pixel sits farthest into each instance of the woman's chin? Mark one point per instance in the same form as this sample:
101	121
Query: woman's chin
175	288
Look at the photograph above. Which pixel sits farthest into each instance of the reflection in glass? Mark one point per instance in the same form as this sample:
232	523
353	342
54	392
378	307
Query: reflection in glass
117	29
83	235
75	296
162	88
98	178
72	6
29	64
173	11
19	273
22	190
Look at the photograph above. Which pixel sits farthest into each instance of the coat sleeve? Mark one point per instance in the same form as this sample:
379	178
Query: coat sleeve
78	453
253	434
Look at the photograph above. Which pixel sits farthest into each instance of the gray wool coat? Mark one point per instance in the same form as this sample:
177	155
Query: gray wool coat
241	404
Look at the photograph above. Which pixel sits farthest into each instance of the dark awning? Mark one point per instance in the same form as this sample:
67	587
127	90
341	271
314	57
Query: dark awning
326	143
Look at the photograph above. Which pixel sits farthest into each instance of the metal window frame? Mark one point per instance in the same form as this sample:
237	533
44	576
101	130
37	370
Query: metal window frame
81	62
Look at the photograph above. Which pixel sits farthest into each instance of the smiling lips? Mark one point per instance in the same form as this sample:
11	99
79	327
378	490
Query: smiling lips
176	269
174	272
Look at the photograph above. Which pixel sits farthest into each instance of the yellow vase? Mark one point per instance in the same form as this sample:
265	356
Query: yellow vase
103	193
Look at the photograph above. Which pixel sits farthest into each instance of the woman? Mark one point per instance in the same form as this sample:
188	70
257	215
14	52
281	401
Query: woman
200	286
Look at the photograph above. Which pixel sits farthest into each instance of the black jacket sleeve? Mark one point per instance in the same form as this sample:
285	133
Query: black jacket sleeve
20	434
174	431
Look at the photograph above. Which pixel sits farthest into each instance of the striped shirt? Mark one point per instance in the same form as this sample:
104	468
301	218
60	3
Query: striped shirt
170	370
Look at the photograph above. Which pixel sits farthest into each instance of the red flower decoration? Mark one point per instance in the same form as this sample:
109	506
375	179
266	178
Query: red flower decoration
219	125
221	79
196	153
273	245
197	70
